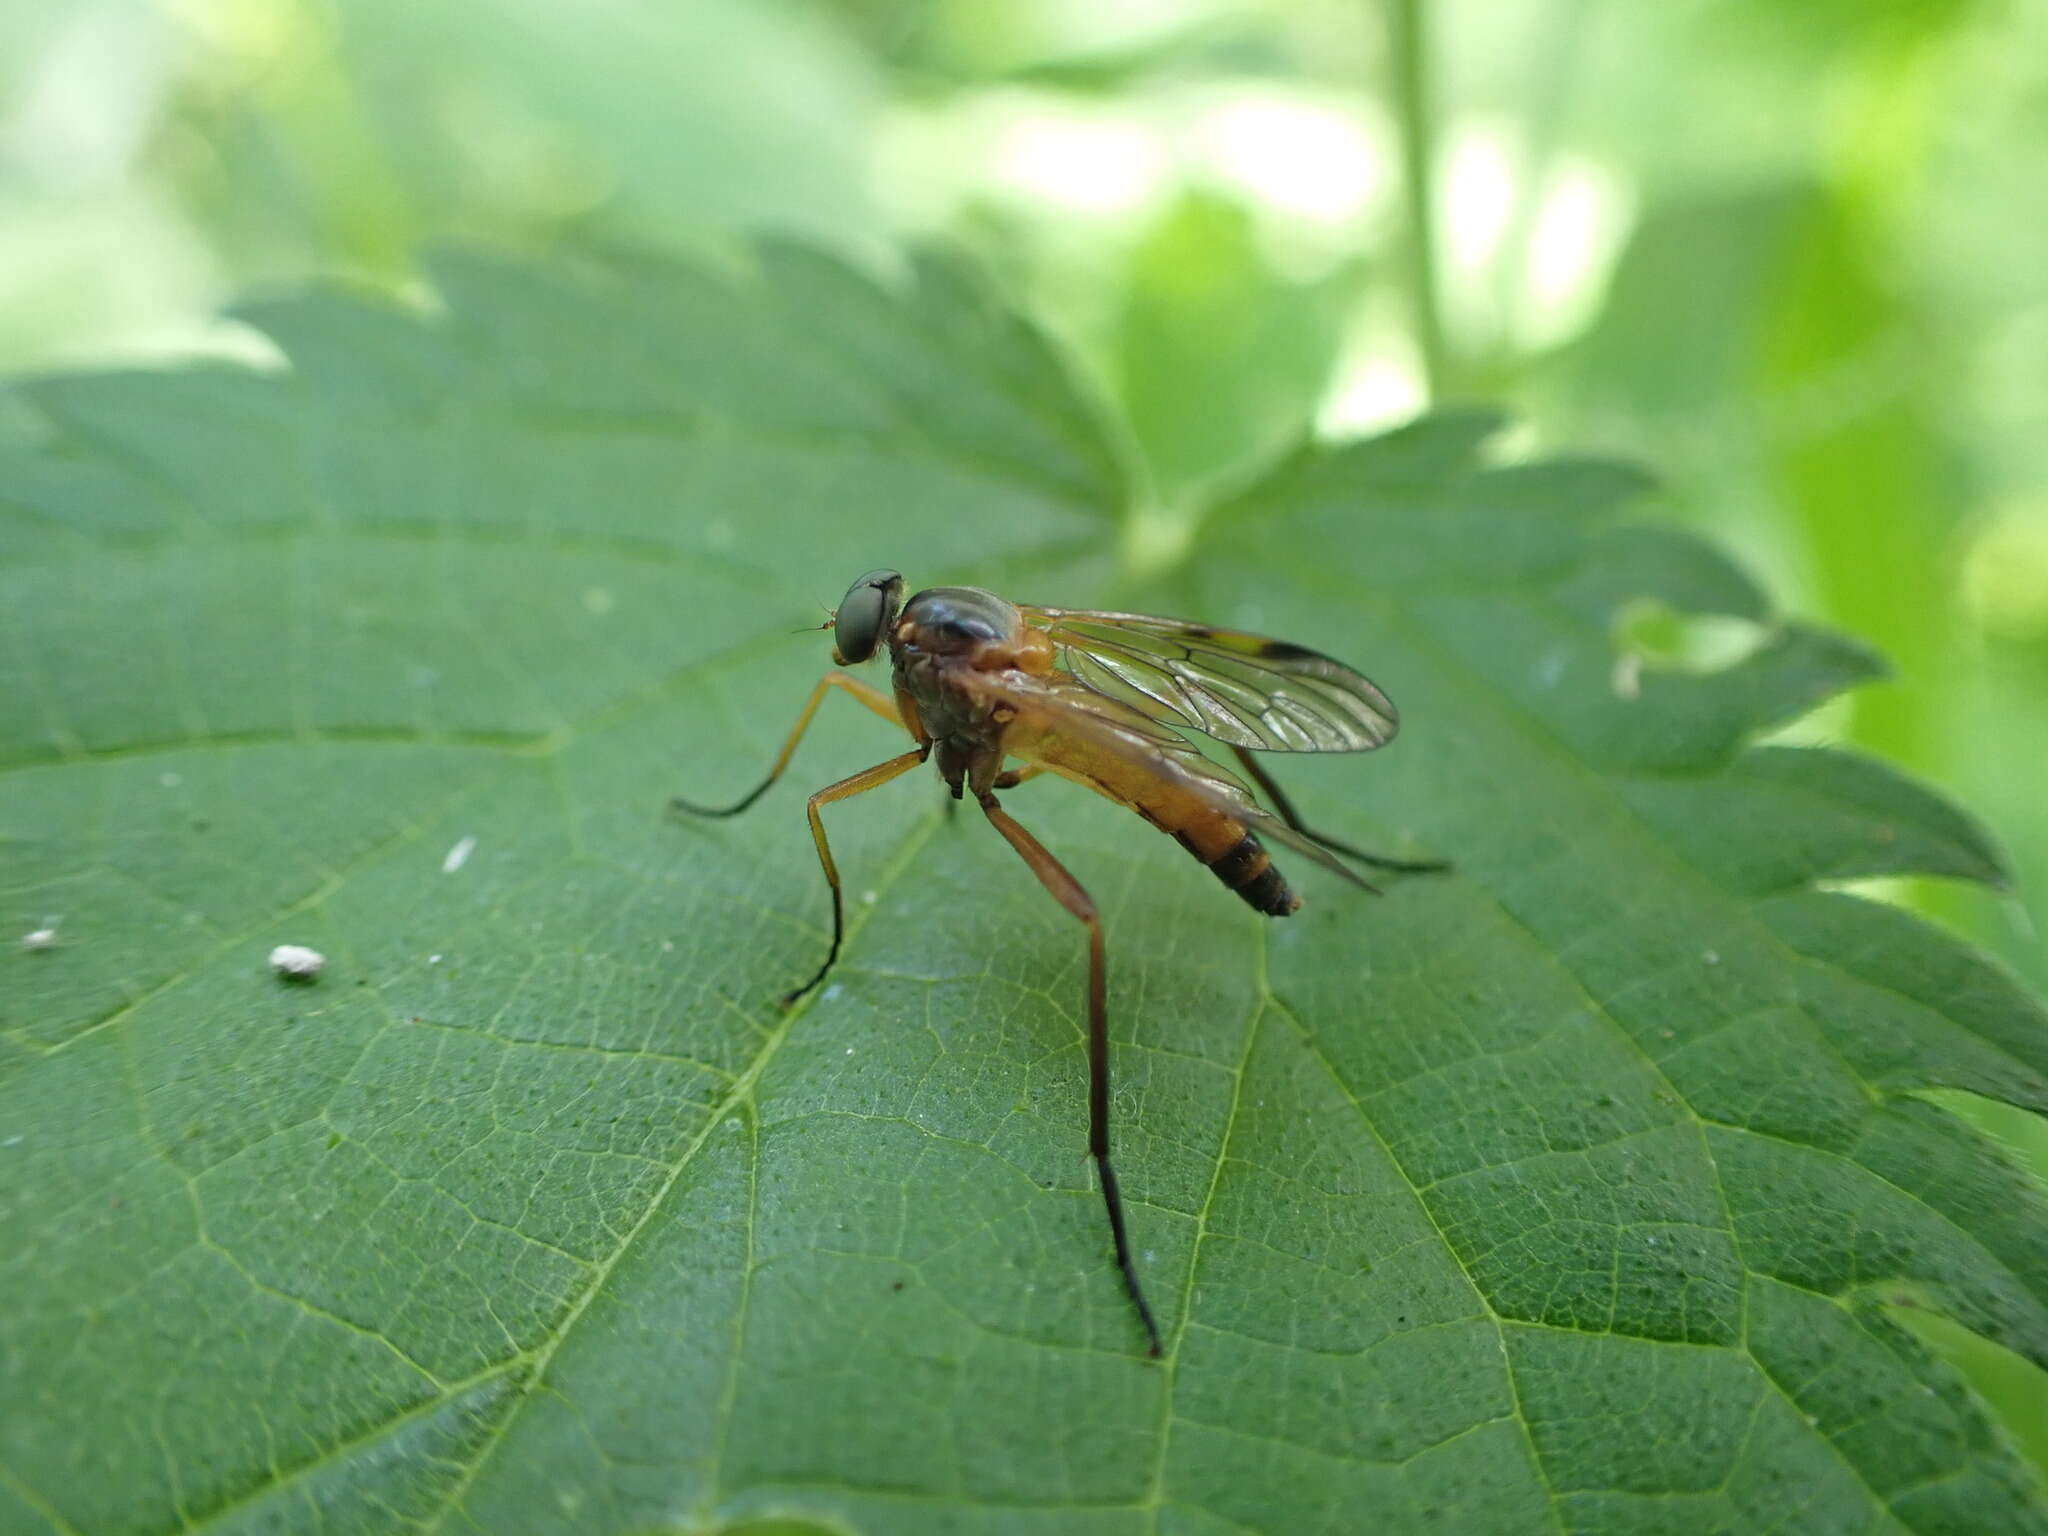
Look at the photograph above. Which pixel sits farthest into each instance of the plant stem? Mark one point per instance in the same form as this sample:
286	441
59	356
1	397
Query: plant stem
1407	47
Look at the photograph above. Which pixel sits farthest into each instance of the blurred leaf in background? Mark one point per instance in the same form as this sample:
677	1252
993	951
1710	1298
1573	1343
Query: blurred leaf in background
100	254
1220	359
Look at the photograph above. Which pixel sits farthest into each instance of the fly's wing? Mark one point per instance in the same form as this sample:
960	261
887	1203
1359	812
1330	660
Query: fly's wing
1062	706
1240	688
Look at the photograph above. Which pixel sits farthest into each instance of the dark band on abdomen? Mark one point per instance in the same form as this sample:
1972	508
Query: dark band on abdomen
1247	870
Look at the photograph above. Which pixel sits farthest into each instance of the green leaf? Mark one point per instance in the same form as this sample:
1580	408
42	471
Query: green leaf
1202	302
1575	1191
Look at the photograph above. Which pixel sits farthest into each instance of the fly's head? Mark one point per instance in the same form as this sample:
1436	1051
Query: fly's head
864	616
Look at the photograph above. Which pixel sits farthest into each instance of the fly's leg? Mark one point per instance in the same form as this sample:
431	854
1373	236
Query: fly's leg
1067	891
1010	778
873	698
845	789
1285	809
868	779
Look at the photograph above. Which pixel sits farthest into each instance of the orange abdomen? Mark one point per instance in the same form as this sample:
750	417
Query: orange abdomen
1216	838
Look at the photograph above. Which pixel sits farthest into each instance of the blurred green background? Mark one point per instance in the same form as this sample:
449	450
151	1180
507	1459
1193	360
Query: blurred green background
1794	257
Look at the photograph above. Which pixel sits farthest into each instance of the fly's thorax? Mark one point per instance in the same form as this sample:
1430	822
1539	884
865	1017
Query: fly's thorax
944	634
970	627
947	711
956	621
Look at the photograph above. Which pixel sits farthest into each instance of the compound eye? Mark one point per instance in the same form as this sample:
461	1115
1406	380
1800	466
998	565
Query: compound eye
869	605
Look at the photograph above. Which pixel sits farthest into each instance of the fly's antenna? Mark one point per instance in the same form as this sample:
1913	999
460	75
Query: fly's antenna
831	618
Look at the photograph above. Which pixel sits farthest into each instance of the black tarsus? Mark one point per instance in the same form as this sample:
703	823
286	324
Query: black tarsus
1061	885
859	783
678	803
1112	1197
854	784
789	998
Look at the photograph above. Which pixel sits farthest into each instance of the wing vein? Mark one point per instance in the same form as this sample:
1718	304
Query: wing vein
1240	688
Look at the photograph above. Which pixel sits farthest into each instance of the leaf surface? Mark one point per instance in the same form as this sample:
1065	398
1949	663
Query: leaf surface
1573	1192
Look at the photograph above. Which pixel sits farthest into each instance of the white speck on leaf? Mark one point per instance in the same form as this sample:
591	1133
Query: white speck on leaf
849	1050
40	938
831	992
433	959
1151	1256
297	962
668	946
1550	669
869	898
13	1141
459	855
1711	957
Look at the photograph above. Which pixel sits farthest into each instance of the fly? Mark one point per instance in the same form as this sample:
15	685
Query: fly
1102	699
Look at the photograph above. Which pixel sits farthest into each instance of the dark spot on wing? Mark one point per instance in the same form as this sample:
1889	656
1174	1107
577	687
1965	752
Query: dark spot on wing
1286	650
